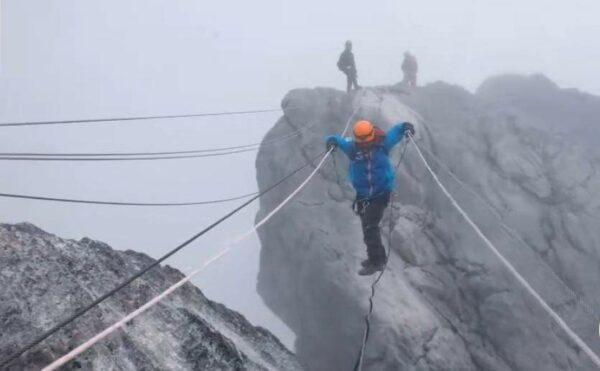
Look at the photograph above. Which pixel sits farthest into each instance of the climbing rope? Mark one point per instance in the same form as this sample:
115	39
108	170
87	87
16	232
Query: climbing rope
135	118
127	158
360	360
561	323
83	347
164	155
118	203
150	204
75	352
102	298
511	232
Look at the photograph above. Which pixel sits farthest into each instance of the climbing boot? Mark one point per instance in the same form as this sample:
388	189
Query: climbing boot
371	268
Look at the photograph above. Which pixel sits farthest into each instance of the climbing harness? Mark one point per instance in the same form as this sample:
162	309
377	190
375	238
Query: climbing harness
362	206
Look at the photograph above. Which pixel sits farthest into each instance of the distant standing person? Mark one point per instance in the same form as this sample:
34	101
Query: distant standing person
410	69
346	65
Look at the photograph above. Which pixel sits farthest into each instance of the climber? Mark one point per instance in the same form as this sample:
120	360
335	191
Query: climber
346	65
372	177
410	69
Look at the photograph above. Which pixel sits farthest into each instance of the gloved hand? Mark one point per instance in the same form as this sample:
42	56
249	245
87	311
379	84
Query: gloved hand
331	144
409	128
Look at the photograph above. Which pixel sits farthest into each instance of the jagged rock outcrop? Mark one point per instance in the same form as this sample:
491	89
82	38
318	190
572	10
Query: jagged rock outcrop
541	103
44	279
445	302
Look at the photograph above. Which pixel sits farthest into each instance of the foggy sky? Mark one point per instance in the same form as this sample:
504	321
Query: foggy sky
64	59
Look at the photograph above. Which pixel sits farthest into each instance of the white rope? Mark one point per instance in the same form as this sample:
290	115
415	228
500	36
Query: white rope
109	330
511	231
595	359
83	347
584	302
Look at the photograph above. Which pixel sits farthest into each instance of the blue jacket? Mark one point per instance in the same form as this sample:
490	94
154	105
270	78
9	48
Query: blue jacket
370	170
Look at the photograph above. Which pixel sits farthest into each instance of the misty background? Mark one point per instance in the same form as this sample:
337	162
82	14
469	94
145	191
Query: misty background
67	59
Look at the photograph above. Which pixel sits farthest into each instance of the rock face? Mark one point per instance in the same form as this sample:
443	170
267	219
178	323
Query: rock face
445	302
44	279
541	103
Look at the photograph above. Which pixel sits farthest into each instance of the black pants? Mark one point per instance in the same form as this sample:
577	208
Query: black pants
351	80
371	213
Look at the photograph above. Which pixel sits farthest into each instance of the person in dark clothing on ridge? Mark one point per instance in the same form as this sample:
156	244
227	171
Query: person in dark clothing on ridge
372	177
346	65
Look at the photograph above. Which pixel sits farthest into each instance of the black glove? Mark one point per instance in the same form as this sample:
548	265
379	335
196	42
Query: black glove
409	128
331	145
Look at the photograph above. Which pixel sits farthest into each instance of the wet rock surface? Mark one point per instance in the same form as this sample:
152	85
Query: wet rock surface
44	279
445	302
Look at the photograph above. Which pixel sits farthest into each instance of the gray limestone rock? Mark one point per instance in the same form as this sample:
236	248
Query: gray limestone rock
446	302
44	279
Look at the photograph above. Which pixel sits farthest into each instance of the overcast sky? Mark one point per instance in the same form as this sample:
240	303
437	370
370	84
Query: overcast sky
81	59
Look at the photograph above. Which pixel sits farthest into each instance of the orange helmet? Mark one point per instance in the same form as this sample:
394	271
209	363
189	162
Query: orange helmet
364	131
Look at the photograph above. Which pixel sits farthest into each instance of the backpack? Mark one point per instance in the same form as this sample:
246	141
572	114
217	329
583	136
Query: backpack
340	66
344	61
379	138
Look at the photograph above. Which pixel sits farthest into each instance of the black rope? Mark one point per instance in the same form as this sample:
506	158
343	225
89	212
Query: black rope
25	158
99	300
135	118
117	203
212	151
124	154
359	361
